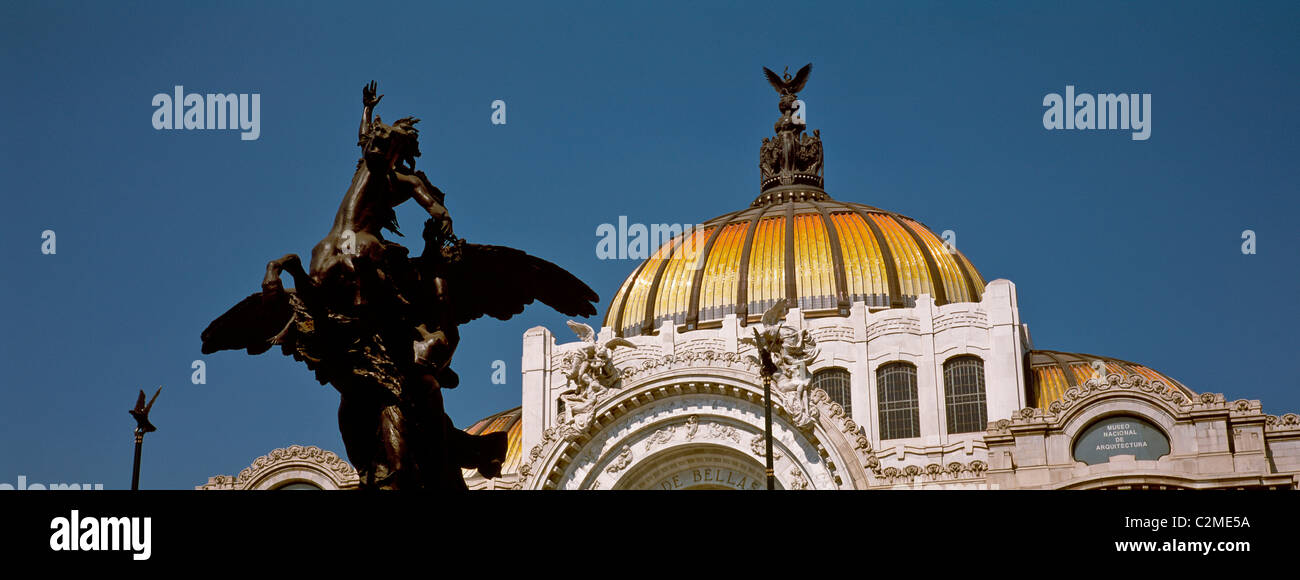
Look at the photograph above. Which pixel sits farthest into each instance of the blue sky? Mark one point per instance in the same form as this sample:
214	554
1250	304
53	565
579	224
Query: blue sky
654	111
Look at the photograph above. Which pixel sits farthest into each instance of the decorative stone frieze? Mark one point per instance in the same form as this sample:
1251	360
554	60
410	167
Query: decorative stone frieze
932	472
689	359
961	318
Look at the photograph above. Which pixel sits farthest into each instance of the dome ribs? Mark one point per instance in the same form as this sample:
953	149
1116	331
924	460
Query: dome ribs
619	302
767	270
891	267
837	260
1065	369
693	312
742	283
936	280
648	325
626	296
675	288
791	283
956	269
970	274
721	297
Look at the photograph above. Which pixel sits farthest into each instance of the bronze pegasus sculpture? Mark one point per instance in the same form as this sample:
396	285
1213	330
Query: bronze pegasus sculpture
381	327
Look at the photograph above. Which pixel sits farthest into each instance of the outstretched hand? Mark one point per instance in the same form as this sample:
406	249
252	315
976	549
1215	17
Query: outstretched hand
368	97
438	229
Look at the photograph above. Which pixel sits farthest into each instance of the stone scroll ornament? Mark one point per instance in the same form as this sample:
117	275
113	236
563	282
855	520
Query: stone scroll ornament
381	326
591	374
785	355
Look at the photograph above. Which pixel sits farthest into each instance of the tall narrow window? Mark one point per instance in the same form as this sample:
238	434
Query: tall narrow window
963	385
900	415
835	381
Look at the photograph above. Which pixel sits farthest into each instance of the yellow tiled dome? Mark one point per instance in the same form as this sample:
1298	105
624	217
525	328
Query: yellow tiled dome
794	244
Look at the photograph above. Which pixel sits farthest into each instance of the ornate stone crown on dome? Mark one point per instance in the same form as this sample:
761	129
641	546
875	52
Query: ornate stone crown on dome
793	243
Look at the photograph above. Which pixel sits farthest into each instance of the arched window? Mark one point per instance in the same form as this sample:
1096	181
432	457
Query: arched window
963	385
835	381
900	415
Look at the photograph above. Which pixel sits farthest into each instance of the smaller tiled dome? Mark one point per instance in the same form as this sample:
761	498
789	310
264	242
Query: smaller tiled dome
511	423
1052	372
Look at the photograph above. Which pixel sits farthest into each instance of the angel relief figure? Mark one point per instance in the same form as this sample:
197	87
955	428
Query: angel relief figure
783	355
591	373
381	327
798	351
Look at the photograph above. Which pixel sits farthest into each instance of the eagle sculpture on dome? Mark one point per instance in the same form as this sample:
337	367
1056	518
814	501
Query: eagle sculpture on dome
790	157
788	85
381	327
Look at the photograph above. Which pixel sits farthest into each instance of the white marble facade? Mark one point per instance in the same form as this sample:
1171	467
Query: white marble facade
687	412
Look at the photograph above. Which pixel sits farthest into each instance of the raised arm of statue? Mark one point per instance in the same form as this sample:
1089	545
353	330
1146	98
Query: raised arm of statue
368	102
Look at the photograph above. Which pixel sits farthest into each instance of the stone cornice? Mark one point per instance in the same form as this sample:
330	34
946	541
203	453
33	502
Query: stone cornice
1286	424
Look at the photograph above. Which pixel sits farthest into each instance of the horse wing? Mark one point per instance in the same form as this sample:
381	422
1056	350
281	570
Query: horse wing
254	324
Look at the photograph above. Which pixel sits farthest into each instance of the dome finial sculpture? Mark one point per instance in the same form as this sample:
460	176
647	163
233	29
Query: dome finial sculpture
791	160
788	85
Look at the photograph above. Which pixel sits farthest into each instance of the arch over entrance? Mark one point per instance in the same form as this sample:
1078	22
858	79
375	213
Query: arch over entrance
694	467
634	431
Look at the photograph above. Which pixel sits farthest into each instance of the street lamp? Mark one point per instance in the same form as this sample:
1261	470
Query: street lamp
142	426
770	347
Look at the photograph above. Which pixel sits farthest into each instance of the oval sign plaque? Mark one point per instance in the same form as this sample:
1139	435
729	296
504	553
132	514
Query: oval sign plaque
1120	435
